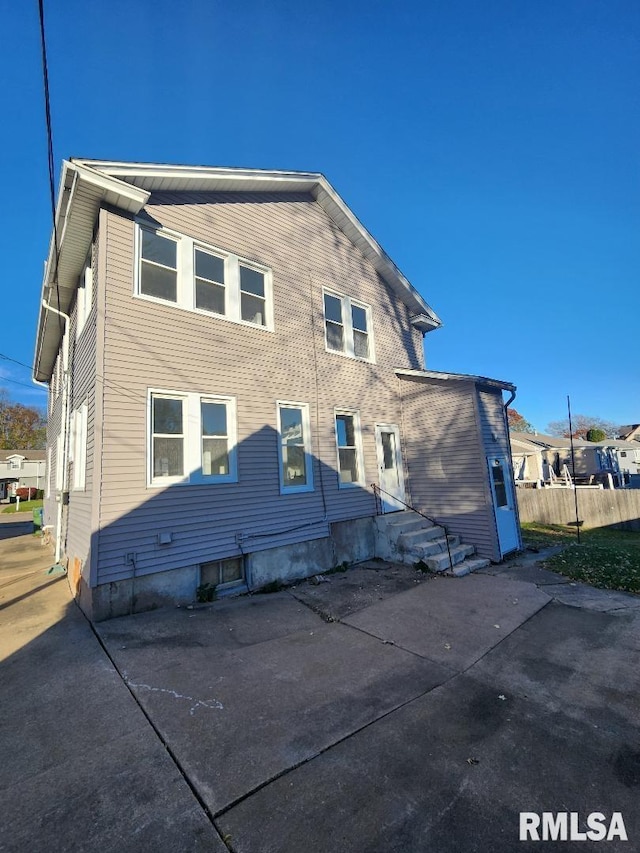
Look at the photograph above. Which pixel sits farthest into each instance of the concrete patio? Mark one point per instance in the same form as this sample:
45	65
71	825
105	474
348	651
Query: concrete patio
382	710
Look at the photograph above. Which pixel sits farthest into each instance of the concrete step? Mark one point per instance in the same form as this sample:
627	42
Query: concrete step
415	538
432	547
440	562
407	525
469	565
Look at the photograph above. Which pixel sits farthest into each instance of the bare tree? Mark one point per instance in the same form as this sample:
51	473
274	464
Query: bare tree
581	425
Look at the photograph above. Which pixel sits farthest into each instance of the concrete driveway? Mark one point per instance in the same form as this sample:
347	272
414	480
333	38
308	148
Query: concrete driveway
380	711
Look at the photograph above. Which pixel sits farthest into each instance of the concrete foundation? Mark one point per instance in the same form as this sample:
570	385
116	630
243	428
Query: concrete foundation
349	542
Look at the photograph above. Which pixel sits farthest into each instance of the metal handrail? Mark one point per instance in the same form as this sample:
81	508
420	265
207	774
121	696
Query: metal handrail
376	492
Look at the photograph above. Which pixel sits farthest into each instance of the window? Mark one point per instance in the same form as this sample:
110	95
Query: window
210	293
15	463
296	461
79	447
176	269
158	265
192	438
85	297
348	440
222	573
347	326
252	300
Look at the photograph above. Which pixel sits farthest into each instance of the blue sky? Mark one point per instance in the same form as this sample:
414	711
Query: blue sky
491	148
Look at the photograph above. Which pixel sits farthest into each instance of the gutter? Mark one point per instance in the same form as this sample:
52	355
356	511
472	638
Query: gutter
64	461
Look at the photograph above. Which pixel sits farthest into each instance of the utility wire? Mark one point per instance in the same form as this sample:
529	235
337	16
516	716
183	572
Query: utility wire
50	157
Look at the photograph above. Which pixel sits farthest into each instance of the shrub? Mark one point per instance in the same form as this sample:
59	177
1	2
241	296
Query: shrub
26	493
596	435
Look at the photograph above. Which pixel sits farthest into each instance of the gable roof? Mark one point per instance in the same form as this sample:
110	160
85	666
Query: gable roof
28	455
86	185
630	432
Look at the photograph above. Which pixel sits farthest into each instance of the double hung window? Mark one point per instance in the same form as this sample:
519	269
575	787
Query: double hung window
176	269
347	326
192	438
296	468
349	447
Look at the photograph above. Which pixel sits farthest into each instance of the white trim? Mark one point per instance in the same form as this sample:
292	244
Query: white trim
308	456
186	278
192	439
357	431
84	299
348	339
79	445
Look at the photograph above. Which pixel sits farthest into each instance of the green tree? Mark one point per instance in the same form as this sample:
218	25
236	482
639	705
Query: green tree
596	435
21	427
518	423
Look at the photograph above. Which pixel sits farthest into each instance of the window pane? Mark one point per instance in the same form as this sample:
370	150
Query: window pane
231	570
388	450
167	416
209	266
251	281
158	281
215	456
332	308
360	344
158	249
214	418
209	297
335	337
167	457
499	484
345	431
252	309
359	318
348	465
291	426
293	466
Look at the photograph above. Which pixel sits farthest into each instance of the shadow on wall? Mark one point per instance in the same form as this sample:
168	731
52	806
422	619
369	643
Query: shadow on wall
163	548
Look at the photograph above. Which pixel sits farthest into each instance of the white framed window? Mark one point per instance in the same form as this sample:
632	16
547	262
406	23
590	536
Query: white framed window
158	265
222	573
349	448
15	462
191	438
294	445
348	326
79	447
85	297
175	269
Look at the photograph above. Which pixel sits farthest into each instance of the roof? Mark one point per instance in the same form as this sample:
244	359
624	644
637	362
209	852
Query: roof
630	432
523	445
29	455
548	441
458	377
87	185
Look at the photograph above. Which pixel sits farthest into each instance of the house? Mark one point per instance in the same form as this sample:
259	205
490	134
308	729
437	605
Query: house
234	363
537	458
630	432
20	468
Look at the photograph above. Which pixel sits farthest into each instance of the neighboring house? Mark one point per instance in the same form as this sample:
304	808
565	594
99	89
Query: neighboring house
537	457
21	468
630	432
233	362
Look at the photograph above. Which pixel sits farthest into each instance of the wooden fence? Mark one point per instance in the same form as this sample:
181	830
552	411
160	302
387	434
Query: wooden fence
619	508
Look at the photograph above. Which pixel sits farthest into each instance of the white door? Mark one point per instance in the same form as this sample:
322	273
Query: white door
390	473
504	504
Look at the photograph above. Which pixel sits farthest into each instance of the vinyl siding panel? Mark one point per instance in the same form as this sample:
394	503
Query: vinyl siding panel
152	345
446	461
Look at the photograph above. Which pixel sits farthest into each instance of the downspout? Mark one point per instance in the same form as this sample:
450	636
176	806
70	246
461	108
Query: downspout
65	425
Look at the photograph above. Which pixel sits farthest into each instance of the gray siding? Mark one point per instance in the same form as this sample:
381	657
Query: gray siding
150	345
445	458
495	434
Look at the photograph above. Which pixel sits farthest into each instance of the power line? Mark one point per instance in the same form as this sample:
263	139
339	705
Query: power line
15	361
25	384
50	157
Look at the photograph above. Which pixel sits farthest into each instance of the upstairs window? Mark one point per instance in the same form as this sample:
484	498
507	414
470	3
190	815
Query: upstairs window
210	282
347	326
173	268
158	266
252	298
85	297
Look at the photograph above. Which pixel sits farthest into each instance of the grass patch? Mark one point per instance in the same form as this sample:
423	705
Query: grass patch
605	558
25	506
